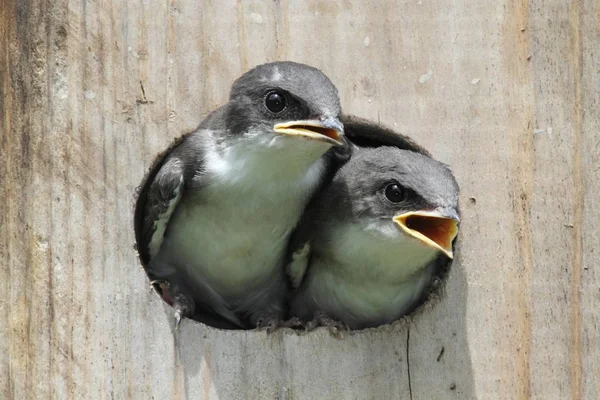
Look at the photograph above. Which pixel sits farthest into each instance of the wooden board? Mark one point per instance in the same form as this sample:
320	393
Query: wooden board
506	92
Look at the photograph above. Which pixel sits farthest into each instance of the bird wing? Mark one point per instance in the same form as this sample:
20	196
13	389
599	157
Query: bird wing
297	265
299	245
164	185
158	196
175	170
364	133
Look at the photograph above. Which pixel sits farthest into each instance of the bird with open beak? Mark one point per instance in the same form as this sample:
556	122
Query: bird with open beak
370	244
215	214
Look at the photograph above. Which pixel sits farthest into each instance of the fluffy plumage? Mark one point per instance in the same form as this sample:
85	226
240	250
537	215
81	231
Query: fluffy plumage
215	214
361	268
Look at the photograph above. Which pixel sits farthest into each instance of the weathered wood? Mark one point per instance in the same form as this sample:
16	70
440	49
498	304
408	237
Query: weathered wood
506	92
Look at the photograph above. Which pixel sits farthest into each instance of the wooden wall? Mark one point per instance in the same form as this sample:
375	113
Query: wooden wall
505	91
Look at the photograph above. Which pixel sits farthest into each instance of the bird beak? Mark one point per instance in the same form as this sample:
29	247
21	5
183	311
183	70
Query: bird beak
329	130
434	228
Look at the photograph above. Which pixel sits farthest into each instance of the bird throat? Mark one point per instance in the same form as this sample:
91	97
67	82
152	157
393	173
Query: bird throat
369	255
266	157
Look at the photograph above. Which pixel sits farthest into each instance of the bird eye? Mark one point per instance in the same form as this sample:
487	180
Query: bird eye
275	101
394	193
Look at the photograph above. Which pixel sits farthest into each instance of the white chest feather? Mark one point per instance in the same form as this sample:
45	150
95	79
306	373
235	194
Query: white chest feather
372	277
233	233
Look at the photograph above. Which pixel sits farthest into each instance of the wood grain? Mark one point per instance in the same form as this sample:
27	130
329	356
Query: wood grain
506	92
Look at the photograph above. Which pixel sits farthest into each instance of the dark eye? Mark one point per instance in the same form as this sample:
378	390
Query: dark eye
394	193
275	102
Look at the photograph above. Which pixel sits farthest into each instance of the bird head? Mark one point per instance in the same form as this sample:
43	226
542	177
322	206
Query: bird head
286	102
399	194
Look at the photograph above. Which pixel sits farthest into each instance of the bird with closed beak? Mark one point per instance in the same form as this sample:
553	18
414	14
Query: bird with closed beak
214	215
370	244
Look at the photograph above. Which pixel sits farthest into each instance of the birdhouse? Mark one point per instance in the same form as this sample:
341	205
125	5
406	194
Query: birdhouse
504	93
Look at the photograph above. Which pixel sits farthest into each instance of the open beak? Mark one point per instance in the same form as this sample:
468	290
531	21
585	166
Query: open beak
329	130
433	228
